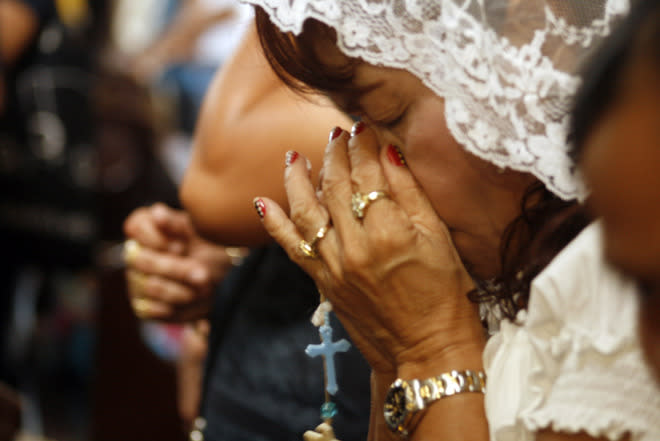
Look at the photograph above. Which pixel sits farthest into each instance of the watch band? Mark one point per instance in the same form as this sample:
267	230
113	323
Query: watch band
407	398
446	385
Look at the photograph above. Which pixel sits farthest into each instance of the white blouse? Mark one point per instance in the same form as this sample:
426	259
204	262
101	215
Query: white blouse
573	362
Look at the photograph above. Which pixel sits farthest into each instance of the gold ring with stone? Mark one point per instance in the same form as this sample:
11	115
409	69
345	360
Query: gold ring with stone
309	248
131	250
360	202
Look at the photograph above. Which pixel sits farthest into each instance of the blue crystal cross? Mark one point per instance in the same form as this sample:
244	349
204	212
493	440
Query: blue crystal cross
328	349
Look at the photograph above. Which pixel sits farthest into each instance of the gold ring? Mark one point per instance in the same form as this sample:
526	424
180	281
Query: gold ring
131	250
309	248
141	307
360	202
136	281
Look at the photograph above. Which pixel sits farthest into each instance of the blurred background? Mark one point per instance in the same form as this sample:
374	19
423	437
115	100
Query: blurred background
98	102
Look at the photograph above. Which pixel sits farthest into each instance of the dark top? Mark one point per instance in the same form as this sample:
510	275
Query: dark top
259	383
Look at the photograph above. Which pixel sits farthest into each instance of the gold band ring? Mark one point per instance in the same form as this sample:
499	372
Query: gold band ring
141	307
360	202
309	248
131	250
136	282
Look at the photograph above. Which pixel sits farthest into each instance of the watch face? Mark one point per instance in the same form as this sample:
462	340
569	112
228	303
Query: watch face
395	409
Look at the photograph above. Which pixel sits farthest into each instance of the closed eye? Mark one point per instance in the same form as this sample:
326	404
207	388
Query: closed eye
390	123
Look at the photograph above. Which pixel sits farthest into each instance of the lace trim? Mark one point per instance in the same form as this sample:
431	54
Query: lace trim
507	69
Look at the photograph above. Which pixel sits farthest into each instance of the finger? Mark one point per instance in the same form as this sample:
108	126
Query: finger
284	232
176	268
176	224
141	226
363	153
158	288
337	188
130	252
135	283
305	211
373	192
406	191
148	309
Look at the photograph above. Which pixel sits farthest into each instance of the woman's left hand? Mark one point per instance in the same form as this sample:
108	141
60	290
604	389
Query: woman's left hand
393	277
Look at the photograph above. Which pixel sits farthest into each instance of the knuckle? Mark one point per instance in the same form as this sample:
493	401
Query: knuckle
132	221
299	212
331	181
177	294
152	286
356	260
388	242
159	206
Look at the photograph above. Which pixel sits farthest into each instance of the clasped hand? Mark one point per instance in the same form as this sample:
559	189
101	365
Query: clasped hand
172	272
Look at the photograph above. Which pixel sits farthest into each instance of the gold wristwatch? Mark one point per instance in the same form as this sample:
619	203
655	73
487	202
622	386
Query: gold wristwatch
406	398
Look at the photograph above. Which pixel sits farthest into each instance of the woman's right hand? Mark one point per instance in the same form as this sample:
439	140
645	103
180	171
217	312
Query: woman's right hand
394	278
171	271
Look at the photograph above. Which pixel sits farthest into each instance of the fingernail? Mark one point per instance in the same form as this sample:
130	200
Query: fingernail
197	275
358	127
291	157
335	133
260	206
395	156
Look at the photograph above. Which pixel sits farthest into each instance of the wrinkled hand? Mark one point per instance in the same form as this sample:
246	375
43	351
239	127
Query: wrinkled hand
394	277
171	271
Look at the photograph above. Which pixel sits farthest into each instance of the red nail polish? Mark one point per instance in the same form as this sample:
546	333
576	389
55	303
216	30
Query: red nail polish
335	133
395	156
260	206
358	127
291	157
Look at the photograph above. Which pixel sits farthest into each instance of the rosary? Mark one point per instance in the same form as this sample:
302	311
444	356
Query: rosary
327	348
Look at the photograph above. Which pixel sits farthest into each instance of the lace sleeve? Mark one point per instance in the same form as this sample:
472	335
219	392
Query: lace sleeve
578	363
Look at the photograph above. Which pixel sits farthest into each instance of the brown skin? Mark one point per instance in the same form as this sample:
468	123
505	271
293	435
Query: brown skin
620	163
405	262
190	366
216	189
173	275
248	123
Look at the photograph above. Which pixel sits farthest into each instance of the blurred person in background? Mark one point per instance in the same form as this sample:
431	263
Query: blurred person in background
258	384
616	130
20	22
47	220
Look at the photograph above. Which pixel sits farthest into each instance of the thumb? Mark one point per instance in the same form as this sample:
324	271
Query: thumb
174	223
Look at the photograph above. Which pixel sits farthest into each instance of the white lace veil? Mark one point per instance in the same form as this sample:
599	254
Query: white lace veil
506	68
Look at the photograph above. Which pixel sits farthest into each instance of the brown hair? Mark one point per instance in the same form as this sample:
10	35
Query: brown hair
531	240
295	59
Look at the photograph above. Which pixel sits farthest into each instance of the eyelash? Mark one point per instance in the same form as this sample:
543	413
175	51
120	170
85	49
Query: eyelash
391	123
